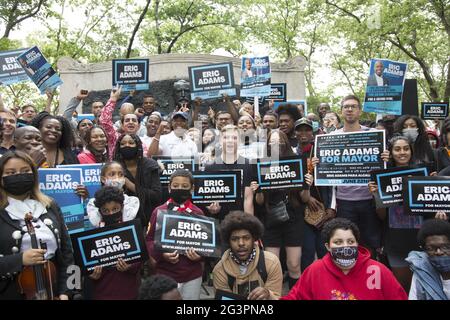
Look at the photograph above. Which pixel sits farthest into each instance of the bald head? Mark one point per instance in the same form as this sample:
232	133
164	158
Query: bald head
27	138
126	108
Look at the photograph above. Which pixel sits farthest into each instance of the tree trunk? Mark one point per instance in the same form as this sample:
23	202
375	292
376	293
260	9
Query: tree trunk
136	28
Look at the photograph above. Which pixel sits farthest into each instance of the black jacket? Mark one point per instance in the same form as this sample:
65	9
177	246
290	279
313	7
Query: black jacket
148	188
11	264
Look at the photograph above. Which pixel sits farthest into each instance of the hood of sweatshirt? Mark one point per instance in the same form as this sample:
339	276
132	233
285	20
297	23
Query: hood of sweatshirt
129	212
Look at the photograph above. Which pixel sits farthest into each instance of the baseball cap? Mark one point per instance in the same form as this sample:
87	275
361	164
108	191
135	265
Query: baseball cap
179	113
303	121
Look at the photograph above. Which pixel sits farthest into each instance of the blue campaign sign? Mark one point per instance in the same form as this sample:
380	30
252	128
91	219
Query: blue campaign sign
39	70
10	70
131	74
385	85
175	231
426	195
217	186
390	184
60	184
90	177
211	81
82	116
434	110
285	173
298	103
255	77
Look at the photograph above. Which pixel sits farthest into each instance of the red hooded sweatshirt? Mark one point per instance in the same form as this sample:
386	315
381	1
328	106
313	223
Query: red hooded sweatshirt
367	280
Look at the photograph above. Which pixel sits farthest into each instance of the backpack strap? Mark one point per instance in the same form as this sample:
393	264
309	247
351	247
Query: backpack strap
261	268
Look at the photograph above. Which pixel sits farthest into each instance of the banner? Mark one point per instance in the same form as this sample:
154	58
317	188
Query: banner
104	246
385	87
11	71
219	186
39	70
390	184
211	81
426	195
60	184
301	105
131	74
255	77
90	176
348	158
176	231
434	110
286	173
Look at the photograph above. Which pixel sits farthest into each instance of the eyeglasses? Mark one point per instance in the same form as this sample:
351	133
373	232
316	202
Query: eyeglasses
350	106
445	248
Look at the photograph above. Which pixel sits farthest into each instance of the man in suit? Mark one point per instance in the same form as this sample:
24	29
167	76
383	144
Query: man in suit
248	72
377	78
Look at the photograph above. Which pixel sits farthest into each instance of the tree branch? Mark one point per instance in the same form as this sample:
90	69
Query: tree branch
343	10
136	28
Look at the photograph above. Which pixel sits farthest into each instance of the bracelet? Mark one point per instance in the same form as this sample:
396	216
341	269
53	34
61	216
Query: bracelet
156	139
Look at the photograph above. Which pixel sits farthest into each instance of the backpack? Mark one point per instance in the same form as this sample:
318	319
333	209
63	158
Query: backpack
261	267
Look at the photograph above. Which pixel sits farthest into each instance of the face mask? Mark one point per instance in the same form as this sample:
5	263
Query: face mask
128	153
315	126
119	183
411	133
18	184
112	218
344	256
441	263
180	195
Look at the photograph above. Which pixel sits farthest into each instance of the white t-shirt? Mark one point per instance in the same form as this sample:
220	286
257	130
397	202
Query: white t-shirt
413	290
173	146
379	80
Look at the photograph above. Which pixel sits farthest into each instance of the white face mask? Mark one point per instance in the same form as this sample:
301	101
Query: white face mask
118	183
411	134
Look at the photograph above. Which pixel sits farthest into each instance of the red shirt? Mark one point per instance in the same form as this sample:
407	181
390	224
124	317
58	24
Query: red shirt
185	270
367	280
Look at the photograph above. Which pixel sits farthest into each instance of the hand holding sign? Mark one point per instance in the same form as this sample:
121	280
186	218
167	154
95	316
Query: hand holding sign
115	93
122	266
82	191
172	257
214	208
373	187
385	155
441	215
96	274
259	293
192	255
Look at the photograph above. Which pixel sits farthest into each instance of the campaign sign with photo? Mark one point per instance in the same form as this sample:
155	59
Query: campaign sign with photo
219	186
348	158
434	110
39	70
180	232
286	173
60	184
426	195
131	74
298	103
390	184
385	85
211	81
255	77
104	246
10	70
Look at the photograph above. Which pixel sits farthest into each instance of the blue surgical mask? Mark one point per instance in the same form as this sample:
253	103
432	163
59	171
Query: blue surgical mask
441	263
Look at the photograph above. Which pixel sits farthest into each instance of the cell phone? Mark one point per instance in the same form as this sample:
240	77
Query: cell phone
83	92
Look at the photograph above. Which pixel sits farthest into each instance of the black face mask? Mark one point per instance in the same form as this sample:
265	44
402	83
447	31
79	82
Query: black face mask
112	218
180	195
129	153
18	184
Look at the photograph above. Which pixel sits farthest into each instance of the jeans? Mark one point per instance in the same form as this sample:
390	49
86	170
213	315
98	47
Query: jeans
312	244
190	290
363	214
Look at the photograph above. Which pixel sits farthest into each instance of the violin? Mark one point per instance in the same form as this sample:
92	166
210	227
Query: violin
37	282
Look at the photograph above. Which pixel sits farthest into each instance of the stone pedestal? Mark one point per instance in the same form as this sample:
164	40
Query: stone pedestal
164	70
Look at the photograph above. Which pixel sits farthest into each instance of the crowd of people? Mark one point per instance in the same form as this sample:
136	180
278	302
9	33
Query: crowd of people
354	252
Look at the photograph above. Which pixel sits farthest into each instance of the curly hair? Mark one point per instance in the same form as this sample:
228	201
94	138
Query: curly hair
339	223
289	109
155	286
239	220
108	194
66	141
100	157
433	227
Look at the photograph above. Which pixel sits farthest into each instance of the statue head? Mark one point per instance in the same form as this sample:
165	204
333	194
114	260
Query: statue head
181	91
